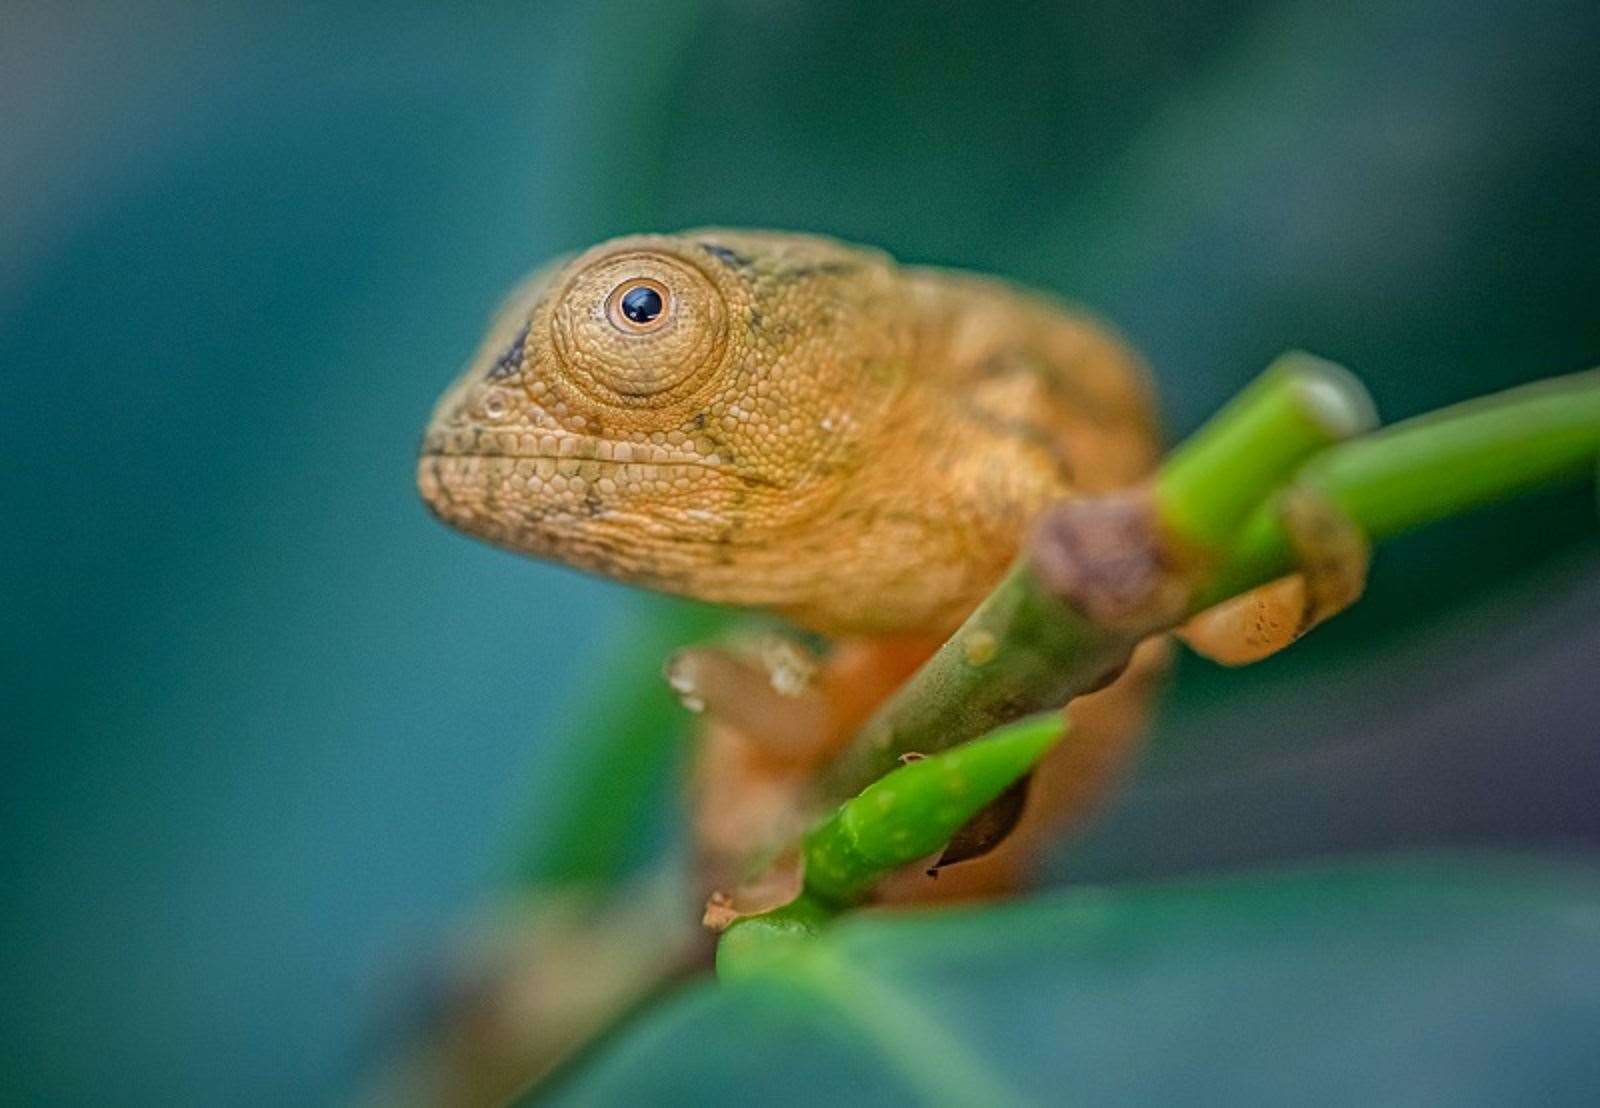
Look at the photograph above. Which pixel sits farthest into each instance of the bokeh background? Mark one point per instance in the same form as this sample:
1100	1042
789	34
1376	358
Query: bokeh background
268	732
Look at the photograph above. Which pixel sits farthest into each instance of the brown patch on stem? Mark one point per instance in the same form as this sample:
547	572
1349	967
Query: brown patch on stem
1106	557
1332	550
987	829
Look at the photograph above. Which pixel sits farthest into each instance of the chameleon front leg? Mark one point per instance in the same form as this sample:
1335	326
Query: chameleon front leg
771	716
1333	555
761	743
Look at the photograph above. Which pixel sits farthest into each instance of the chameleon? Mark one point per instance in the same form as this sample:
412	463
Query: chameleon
785	422
792	423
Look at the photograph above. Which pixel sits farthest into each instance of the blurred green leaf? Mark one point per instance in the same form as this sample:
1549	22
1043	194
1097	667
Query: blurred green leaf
601	808
1420	979
304	711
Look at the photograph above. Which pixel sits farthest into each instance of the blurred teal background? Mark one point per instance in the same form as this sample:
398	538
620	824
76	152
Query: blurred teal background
268	730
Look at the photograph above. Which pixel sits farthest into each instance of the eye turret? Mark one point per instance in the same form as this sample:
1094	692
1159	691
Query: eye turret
640	328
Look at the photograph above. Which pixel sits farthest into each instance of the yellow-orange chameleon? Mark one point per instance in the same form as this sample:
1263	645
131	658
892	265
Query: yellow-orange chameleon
792	423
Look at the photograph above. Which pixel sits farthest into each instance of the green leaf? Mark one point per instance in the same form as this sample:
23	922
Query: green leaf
599	808
1420	979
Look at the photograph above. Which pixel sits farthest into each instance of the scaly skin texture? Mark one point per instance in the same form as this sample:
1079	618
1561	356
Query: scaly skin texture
804	426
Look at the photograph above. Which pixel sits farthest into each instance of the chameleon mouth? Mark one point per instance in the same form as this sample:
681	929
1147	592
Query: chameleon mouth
526	489
562	448
589	513
541	480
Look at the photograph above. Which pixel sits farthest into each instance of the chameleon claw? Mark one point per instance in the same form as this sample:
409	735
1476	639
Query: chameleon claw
790	668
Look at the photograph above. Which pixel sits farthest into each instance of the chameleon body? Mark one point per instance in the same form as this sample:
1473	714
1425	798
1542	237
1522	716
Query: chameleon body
785	422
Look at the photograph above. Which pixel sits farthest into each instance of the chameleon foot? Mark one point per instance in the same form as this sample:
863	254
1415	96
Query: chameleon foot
767	698
1333	555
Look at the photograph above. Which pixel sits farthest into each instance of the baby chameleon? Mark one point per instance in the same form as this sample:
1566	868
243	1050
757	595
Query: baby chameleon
782	421
791	423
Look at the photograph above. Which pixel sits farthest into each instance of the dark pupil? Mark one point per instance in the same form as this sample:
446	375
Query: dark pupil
642	304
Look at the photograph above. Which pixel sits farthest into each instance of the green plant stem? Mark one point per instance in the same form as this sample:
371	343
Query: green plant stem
873	1010
756	943
1433	467
914	810
907	815
1047	654
1027	649
1210	484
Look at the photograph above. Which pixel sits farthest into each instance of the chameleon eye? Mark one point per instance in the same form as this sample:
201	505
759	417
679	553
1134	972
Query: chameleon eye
638	305
633	326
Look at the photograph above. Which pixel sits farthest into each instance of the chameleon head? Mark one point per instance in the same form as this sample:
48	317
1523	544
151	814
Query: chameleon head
670	409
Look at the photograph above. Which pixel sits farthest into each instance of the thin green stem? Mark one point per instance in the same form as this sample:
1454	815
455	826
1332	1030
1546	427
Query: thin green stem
1210	484
907	1033
914	810
1433	467
907	815
870	1009
1022	651
757	943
